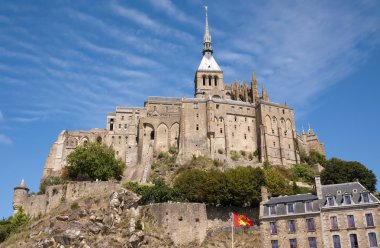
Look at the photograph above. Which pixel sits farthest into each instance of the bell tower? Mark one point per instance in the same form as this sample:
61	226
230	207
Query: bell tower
208	77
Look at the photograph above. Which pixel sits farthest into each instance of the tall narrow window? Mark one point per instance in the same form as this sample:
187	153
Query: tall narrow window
334	222
365	197
221	130
274	243
204	80
350	221
197	127
347	199
369	220
293	243
310	225
245	136
372	239
291	226
330	201
216	80
312	242
209	80
273	228
354	241
309	206
336	241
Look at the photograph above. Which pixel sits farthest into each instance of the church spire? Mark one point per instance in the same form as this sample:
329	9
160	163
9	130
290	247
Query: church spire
207	37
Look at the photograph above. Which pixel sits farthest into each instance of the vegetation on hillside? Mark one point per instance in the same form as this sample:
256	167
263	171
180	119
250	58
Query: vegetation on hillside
93	161
13	224
340	171
313	158
49	182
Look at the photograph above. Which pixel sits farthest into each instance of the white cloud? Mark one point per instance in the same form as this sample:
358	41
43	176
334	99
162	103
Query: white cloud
5	140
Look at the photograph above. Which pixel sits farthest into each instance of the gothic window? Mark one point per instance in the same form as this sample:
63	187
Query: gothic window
235	118
217	106
216	80
119	126
119	139
111	124
117	152
245	136
221	130
204	80
209	80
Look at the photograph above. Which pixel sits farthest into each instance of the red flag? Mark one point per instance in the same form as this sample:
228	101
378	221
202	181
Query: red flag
242	220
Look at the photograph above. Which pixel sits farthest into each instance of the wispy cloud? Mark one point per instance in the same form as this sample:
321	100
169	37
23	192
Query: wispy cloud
145	21
5	140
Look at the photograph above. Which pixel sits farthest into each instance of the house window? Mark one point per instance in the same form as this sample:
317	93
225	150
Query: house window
291	226
334	222
217	106
273	228
347	199
293	243
372	239
350	221
290	208
309	206
197	127
369	220
365	197
274	243
330	201
312	242
336	241
310	225
272	210
354	241
221	130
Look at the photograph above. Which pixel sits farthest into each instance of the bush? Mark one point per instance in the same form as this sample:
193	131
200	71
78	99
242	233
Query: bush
94	161
302	171
13	224
49	182
313	158
276	182
74	205
243	153
235	156
159	192
173	150
220	151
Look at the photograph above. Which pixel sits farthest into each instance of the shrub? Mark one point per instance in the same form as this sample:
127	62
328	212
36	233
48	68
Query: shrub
303	171
49	182
243	153
256	153
234	155
74	205
94	161
13	225
313	158
277	184
220	151
173	150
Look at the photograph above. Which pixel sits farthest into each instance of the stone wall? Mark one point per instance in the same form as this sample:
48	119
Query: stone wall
220	217
184	222
35	205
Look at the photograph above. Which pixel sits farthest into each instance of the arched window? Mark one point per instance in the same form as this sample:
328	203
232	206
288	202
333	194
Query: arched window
209	80
216	80
204	80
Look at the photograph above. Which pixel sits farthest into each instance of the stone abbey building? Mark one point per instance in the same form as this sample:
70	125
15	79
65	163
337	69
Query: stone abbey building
220	120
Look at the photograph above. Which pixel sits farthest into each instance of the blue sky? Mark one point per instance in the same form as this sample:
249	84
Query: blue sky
65	64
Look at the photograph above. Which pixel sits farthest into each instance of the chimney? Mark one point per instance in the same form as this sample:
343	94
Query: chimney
318	186
264	194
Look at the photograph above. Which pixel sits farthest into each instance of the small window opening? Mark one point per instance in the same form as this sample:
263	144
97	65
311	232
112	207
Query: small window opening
221	130
197	127
209	80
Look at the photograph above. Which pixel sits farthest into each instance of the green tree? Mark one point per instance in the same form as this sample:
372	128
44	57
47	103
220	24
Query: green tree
94	161
277	184
313	158
302	171
13	225
244	185
190	183
340	171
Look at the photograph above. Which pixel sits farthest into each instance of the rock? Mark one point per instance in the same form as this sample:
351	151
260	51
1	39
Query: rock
69	236
62	217
82	213
45	243
93	218
136	238
99	218
83	244
107	220
95	229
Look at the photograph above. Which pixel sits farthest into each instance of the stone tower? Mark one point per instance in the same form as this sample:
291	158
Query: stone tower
208	77
20	194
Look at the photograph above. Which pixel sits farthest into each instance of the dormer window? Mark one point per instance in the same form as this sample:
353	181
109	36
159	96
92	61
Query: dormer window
309	206
330	201
290	207
272	210
365	197
347	199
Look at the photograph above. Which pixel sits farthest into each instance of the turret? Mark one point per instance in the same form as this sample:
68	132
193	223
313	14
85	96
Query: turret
20	194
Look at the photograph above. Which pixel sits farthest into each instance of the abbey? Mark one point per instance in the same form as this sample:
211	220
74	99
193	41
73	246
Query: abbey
222	120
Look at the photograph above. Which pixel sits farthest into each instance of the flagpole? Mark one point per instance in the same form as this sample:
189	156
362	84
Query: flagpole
232	228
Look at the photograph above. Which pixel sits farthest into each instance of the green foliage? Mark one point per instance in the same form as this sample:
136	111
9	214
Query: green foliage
256	153
49	182
300	190
13	224
235	156
313	158
340	171
276	182
74	205
238	187
302	172
159	192
220	151
243	153
94	161
173	150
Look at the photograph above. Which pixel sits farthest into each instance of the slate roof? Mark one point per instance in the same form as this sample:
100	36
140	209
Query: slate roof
291	198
